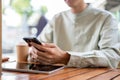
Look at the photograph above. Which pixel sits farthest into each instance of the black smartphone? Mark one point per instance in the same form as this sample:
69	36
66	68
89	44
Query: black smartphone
32	39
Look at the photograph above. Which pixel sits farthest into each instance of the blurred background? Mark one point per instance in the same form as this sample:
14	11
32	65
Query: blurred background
22	18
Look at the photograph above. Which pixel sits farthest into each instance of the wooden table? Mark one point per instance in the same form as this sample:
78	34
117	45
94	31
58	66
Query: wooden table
67	74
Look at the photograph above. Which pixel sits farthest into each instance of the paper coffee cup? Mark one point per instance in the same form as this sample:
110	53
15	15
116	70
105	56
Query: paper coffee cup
22	52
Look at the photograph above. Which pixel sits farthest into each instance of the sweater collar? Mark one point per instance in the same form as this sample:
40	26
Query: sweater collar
84	12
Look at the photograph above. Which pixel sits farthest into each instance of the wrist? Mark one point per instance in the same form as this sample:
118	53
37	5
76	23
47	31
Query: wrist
66	58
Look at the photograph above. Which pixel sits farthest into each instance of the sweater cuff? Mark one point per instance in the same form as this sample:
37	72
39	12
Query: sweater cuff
74	61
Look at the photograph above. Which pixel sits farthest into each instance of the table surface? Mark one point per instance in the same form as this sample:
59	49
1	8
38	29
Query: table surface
66	74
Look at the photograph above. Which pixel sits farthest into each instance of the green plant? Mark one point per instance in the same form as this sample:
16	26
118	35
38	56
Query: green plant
22	7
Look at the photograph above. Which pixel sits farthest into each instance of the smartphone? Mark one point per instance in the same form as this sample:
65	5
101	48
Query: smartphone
32	39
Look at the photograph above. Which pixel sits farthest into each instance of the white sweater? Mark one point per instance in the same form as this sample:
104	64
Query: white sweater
90	37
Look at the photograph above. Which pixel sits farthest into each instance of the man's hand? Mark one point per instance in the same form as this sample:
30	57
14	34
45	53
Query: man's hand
48	53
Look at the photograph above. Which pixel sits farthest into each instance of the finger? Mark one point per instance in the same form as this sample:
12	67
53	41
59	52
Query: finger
40	47
44	60
44	55
50	45
40	58
33	52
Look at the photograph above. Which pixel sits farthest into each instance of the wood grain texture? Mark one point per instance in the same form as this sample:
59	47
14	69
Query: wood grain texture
67	74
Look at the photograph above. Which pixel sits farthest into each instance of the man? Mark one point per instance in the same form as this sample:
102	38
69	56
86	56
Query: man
80	37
